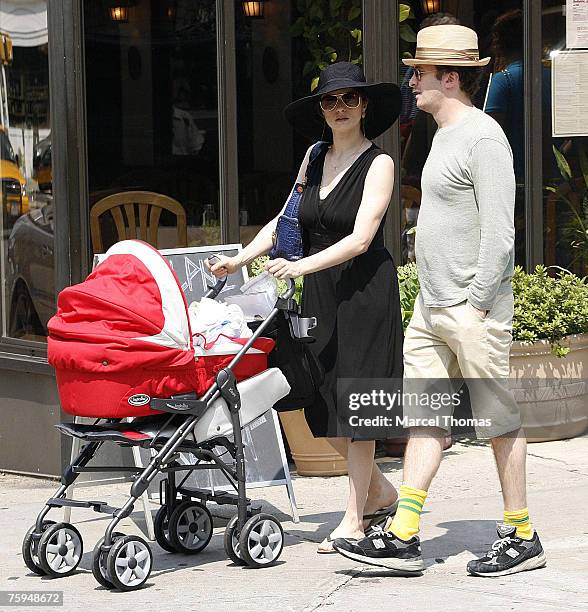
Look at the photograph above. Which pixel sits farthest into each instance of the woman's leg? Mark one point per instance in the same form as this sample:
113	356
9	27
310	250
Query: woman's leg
369	490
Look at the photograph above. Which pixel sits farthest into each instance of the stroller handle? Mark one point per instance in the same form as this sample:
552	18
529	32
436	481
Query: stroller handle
290	290
213	291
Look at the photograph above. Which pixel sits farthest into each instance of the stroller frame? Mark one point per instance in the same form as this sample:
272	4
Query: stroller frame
115	550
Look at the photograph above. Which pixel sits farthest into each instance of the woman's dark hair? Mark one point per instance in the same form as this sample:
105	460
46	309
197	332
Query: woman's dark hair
469	78
507	38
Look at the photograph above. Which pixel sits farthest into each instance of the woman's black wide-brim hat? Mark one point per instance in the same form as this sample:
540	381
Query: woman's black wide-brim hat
384	101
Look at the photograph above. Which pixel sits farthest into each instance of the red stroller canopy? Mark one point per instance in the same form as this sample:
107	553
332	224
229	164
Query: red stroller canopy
123	336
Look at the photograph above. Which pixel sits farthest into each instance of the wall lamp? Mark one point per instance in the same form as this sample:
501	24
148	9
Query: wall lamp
254	9
431	6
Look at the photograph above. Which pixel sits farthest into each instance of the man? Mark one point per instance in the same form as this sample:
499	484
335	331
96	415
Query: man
463	316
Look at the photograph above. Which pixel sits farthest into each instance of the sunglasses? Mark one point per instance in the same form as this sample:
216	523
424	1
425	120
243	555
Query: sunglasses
419	73
351	99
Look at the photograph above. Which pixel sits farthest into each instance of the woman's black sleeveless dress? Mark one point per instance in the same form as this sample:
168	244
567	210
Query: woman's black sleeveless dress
356	303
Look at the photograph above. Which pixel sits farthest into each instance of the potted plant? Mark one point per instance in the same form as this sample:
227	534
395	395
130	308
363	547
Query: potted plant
549	354
312	456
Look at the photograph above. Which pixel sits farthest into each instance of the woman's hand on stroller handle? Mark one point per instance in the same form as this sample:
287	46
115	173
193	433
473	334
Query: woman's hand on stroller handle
221	265
283	269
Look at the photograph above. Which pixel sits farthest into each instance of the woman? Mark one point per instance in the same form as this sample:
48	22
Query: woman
350	282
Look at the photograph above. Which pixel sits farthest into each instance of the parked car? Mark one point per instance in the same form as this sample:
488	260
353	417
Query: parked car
30	275
30	278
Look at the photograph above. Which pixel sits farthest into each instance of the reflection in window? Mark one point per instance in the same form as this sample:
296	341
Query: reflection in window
26	254
272	70
152	121
565	171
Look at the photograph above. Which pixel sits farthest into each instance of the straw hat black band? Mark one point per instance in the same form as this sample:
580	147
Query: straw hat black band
382	110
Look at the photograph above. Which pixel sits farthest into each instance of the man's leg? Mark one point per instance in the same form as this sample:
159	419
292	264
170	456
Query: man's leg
426	357
518	547
423	456
510	452
428	361
421	462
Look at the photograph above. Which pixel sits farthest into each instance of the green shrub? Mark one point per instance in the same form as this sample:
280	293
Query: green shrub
408	282
549	308
546	308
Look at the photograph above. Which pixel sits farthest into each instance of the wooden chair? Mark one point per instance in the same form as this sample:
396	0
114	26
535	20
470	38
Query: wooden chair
128	206
411	202
411	198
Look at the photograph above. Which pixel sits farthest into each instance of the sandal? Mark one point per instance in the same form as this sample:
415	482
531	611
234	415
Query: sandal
326	546
380	517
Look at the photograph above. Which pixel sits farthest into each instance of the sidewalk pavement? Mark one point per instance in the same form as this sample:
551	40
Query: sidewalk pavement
458	523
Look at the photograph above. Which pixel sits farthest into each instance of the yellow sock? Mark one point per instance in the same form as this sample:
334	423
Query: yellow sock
405	523
520	518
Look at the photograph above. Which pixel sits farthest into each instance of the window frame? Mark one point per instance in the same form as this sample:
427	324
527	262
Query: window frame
67	120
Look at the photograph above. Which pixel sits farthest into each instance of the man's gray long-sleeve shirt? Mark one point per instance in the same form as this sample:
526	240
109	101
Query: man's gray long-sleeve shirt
465	229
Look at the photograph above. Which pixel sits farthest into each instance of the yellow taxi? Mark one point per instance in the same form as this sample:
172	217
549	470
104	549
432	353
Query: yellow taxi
15	201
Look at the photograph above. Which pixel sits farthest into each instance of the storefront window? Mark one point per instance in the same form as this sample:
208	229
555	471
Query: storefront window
152	120
279	58
565	161
26	222
499	26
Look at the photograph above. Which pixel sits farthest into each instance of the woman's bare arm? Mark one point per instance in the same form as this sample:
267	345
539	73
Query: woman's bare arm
377	193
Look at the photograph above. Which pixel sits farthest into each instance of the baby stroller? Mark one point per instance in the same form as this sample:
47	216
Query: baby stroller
122	348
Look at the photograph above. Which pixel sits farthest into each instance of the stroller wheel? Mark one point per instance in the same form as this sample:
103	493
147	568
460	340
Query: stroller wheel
231	542
30	558
161	528
190	527
99	557
261	540
129	563
60	549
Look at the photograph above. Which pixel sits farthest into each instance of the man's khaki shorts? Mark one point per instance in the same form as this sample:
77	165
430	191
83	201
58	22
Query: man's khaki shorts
455	343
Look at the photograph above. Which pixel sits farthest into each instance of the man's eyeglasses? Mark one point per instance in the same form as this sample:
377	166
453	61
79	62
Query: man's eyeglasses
418	73
351	99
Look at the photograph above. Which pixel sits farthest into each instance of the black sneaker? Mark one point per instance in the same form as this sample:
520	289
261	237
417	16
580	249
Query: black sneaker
509	555
384	549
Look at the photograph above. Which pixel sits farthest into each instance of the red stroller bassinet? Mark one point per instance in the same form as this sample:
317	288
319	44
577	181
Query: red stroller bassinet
123	336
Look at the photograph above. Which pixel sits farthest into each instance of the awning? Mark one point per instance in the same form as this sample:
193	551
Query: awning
25	21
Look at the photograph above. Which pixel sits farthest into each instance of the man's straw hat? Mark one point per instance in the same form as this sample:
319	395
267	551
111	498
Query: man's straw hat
447	45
